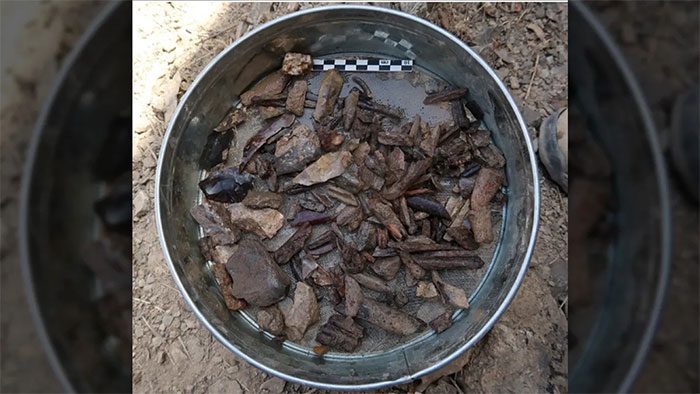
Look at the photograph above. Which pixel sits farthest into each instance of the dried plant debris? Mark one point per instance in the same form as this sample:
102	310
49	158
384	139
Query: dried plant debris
341	333
231	120
270	112
311	217
449	94
373	283
263	135
293	245
426	290
488	182
388	318
448	259
442	322
342	202
480	220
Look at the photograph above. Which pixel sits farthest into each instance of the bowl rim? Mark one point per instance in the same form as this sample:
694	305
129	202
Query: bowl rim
497	313
73	57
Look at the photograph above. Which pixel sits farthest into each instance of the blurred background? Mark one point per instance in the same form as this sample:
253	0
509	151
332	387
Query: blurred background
631	300
633	282
66	197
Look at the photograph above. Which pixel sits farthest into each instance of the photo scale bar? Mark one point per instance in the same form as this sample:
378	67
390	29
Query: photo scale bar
368	65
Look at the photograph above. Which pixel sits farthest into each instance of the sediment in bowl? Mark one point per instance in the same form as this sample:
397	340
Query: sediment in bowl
330	31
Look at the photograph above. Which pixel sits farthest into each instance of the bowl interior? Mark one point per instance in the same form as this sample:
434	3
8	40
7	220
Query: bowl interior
327	32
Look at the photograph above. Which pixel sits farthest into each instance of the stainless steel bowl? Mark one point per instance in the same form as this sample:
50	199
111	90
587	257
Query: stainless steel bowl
620	325
59	189
336	31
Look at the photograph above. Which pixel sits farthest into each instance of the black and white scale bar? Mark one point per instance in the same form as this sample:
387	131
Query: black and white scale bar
362	65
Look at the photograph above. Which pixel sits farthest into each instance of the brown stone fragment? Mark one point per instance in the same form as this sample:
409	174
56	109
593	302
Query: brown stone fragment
296	63
328	94
326	167
303	313
261	199
353	296
387	267
480	220
488	182
271	85
256	277
271	320
350	109
296	97
224	280
296	149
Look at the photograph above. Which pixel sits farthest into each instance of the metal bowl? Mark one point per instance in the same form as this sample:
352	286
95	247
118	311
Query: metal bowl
620	325
336	31
57	217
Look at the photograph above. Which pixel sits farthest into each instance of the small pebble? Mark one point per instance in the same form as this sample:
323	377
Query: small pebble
273	385
514	84
426	290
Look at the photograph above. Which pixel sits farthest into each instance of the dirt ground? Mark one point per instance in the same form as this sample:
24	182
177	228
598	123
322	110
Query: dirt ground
525	43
